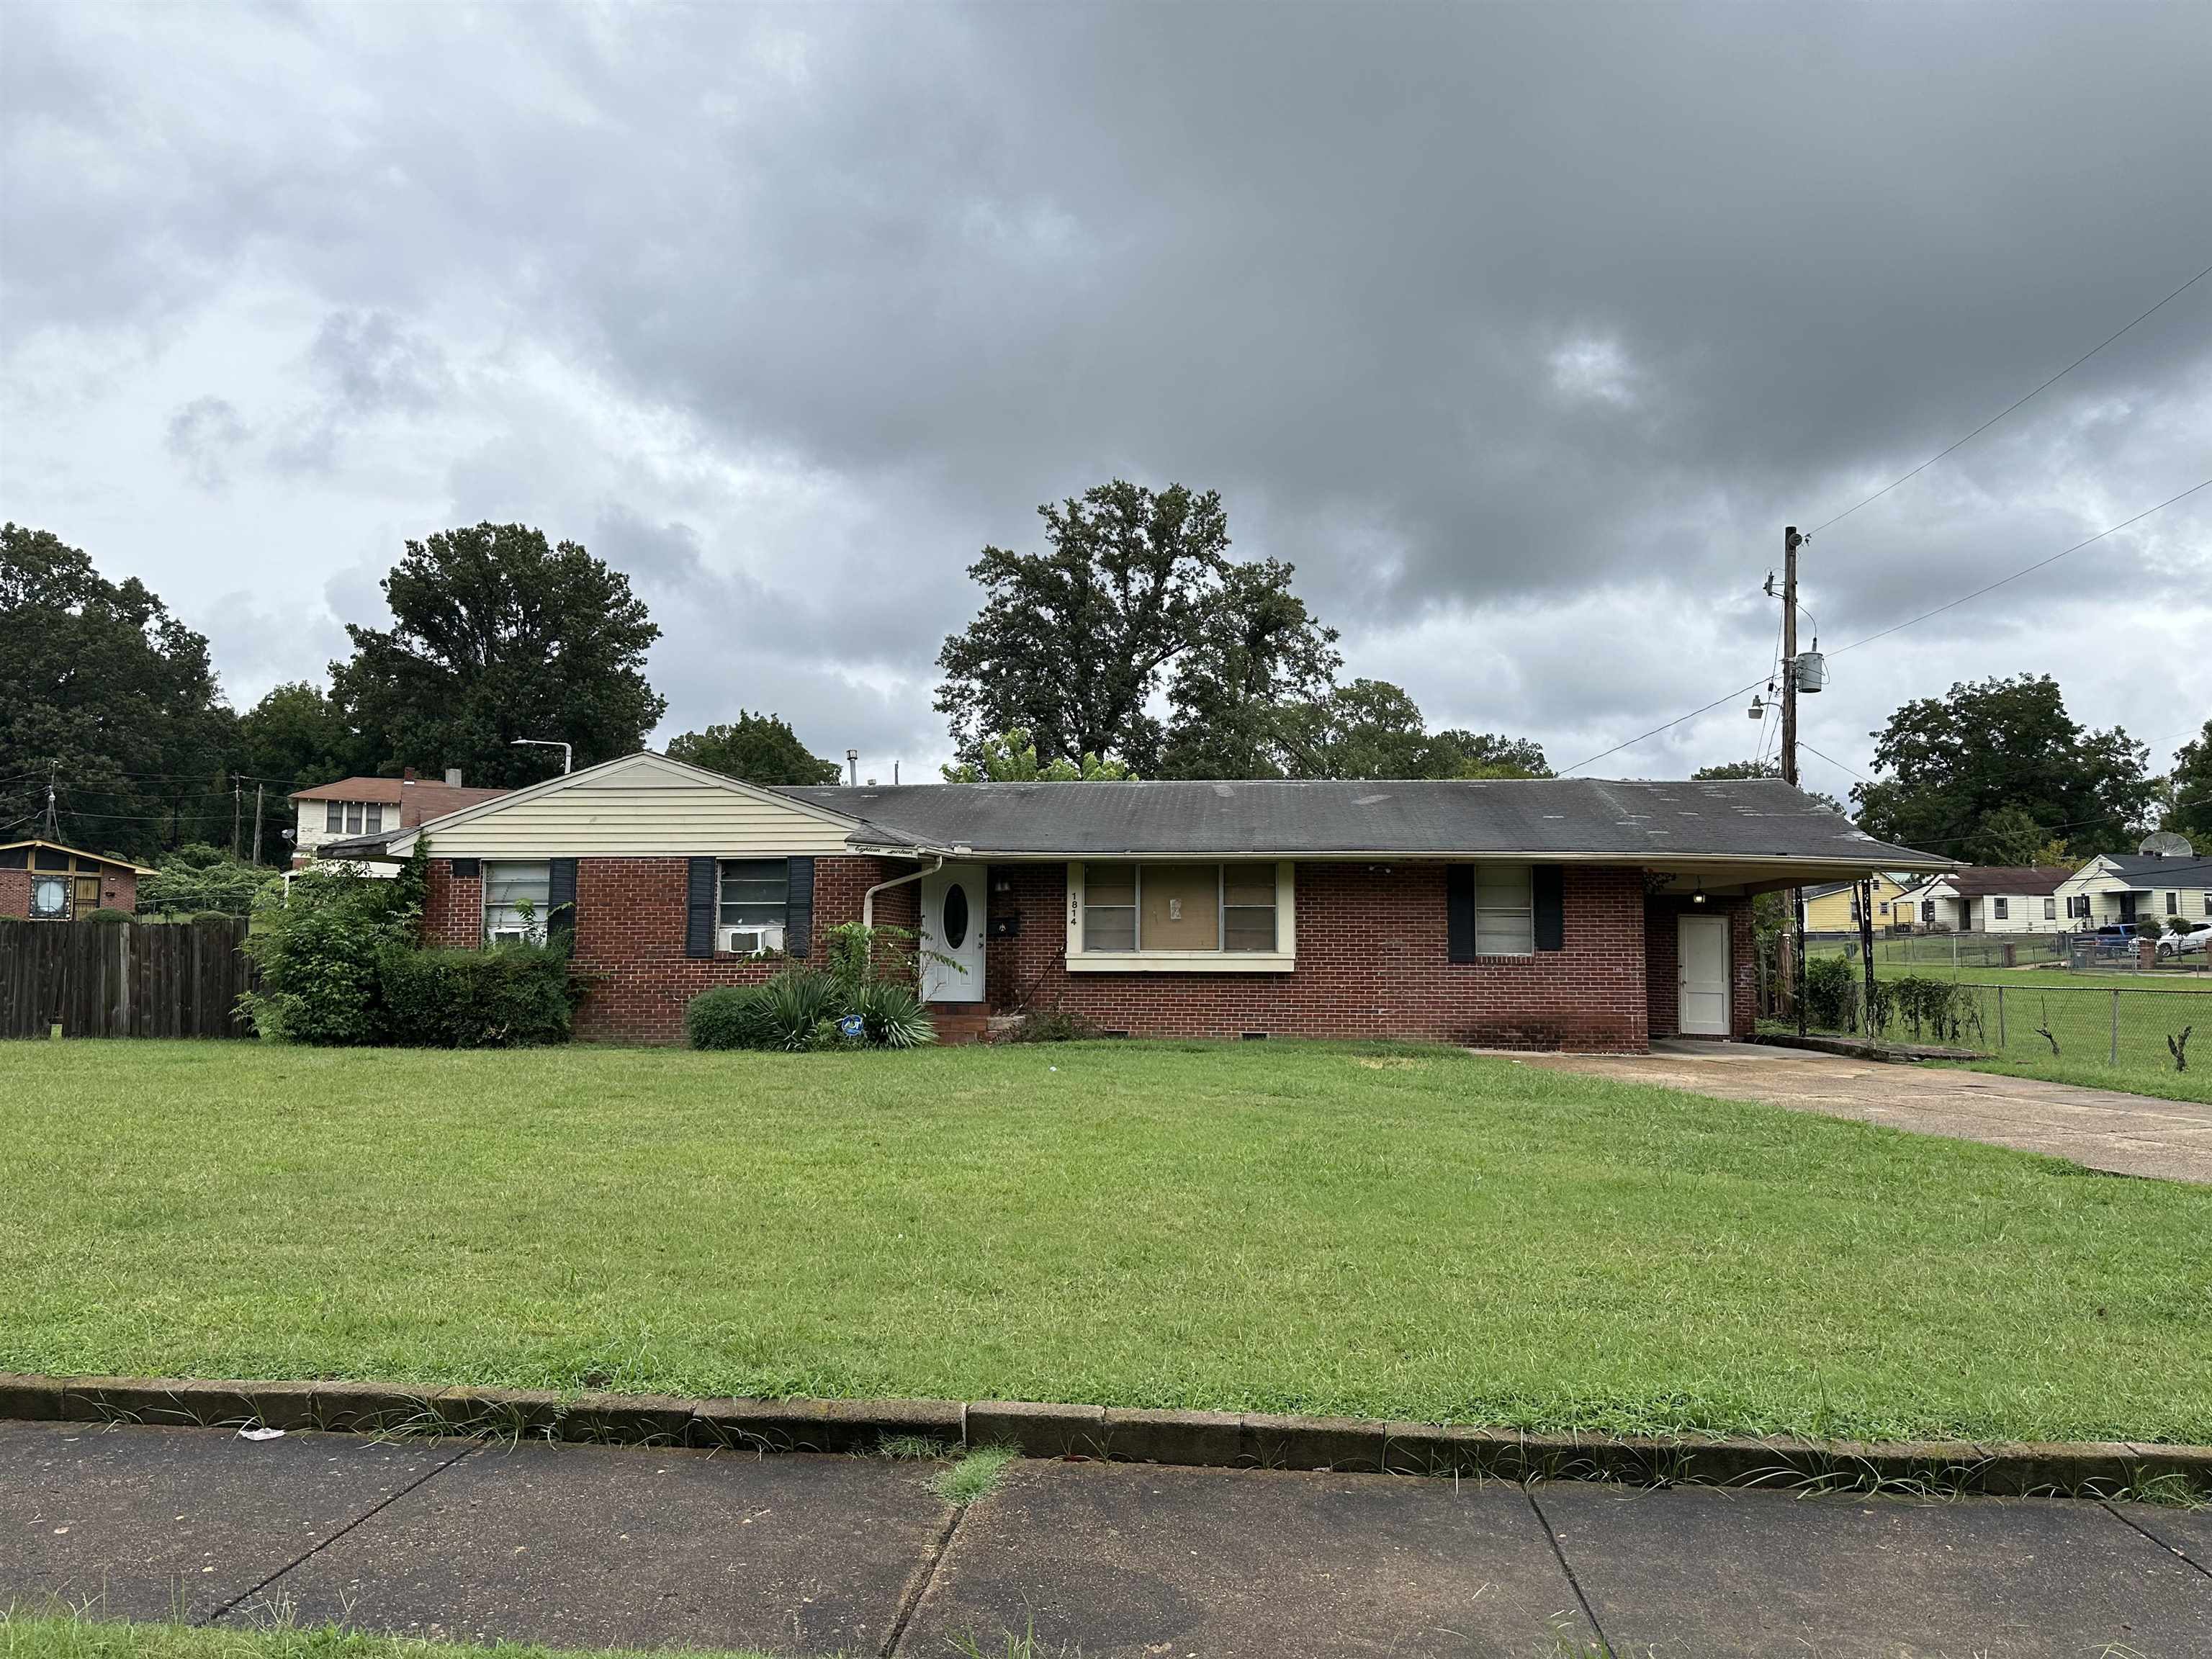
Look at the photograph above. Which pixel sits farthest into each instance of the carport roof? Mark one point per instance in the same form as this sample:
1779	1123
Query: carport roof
1573	818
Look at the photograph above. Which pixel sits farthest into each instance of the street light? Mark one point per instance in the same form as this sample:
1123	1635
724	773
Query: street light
567	753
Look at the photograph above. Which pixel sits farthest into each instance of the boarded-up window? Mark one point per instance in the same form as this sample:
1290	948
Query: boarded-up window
1179	906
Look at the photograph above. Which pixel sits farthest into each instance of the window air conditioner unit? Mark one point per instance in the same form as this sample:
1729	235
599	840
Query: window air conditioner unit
510	936
752	941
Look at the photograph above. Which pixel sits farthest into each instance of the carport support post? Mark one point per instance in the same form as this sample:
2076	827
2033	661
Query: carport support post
1865	948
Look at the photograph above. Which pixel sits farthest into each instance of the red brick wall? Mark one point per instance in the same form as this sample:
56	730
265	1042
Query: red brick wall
118	889
1372	962
1661	966
1371	953
629	948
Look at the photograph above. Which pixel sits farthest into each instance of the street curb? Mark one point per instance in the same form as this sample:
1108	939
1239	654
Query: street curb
1189	1438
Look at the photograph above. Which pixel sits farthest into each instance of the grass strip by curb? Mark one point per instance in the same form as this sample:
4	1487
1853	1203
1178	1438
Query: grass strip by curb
977	1474
1002	1429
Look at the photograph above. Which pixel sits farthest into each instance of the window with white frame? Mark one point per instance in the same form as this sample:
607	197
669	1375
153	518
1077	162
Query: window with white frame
1505	910
2077	907
752	903
2002	909
2208	904
516	897
1181	908
334	818
2051	909
2173	904
373	818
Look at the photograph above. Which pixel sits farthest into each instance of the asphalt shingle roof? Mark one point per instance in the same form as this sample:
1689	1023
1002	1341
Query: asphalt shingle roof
2142	872
1757	817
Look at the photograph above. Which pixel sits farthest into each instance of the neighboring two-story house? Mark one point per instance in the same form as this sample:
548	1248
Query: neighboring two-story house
375	806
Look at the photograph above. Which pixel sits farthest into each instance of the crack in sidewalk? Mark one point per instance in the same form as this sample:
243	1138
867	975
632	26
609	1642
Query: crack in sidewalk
2127	1520
321	1545
922	1581
1573	1583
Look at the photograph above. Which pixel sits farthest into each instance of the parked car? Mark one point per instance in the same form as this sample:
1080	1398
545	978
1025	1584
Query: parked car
2190	944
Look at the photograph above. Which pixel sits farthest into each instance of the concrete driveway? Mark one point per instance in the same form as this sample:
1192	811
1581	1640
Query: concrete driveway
2127	1134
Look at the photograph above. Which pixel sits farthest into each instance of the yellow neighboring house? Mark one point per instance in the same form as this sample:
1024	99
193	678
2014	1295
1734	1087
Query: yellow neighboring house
1834	909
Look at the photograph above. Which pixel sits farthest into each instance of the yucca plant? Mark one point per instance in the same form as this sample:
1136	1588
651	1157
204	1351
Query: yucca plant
792	1007
894	1015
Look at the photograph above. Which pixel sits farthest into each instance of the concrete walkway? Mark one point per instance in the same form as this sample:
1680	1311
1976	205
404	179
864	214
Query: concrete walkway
2127	1134
809	1555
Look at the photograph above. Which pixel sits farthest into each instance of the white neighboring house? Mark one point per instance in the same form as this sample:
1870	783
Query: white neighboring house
353	807
2126	887
1994	899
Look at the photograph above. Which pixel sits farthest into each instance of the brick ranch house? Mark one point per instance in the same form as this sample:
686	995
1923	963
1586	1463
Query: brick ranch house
1555	912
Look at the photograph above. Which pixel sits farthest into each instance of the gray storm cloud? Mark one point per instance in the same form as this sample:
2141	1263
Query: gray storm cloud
1522	332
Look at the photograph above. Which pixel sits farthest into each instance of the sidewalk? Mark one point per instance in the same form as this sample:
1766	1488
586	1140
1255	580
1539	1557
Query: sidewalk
808	1555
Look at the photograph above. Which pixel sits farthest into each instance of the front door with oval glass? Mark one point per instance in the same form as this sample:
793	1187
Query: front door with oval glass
953	904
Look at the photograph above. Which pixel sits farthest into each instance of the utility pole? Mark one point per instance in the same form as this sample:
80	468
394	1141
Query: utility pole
1795	938
53	832
1790	540
257	788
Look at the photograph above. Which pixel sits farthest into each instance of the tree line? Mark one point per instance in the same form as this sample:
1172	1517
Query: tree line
1131	644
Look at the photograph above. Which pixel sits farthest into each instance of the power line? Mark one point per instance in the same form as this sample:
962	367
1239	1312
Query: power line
2009	407
1908	621
1726	696
2029	571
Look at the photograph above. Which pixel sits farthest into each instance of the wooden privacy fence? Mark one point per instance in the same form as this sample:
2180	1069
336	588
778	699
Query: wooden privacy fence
124	979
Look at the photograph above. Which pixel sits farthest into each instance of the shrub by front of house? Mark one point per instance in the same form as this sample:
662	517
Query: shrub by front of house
516	994
340	962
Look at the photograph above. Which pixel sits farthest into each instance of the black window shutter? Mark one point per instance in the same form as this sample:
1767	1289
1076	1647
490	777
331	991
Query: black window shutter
561	904
1459	911
699	908
1551	907
799	911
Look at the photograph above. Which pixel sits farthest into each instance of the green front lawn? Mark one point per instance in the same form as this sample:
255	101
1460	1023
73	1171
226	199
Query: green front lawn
1414	1233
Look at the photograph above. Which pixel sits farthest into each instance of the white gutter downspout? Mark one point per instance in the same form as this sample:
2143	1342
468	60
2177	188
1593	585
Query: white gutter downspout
868	898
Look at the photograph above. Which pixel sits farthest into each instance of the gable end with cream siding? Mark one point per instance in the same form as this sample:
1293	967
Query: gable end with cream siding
642	806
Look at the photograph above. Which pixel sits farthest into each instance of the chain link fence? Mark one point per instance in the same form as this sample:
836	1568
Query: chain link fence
2122	1029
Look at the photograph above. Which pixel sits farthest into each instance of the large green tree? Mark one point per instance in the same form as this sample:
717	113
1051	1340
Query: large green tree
2190	787
1074	644
296	737
755	748
1993	765
496	635
105	692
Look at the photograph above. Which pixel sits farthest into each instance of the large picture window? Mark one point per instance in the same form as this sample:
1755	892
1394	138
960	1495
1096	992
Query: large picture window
516	897
1180	910
753	904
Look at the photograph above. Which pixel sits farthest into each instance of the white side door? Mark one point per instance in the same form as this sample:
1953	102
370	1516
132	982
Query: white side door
953	904
1702	951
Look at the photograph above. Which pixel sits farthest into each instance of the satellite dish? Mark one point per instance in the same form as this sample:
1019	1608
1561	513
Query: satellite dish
2165	844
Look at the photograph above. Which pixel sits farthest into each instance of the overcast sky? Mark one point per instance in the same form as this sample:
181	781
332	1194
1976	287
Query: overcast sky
1522	332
